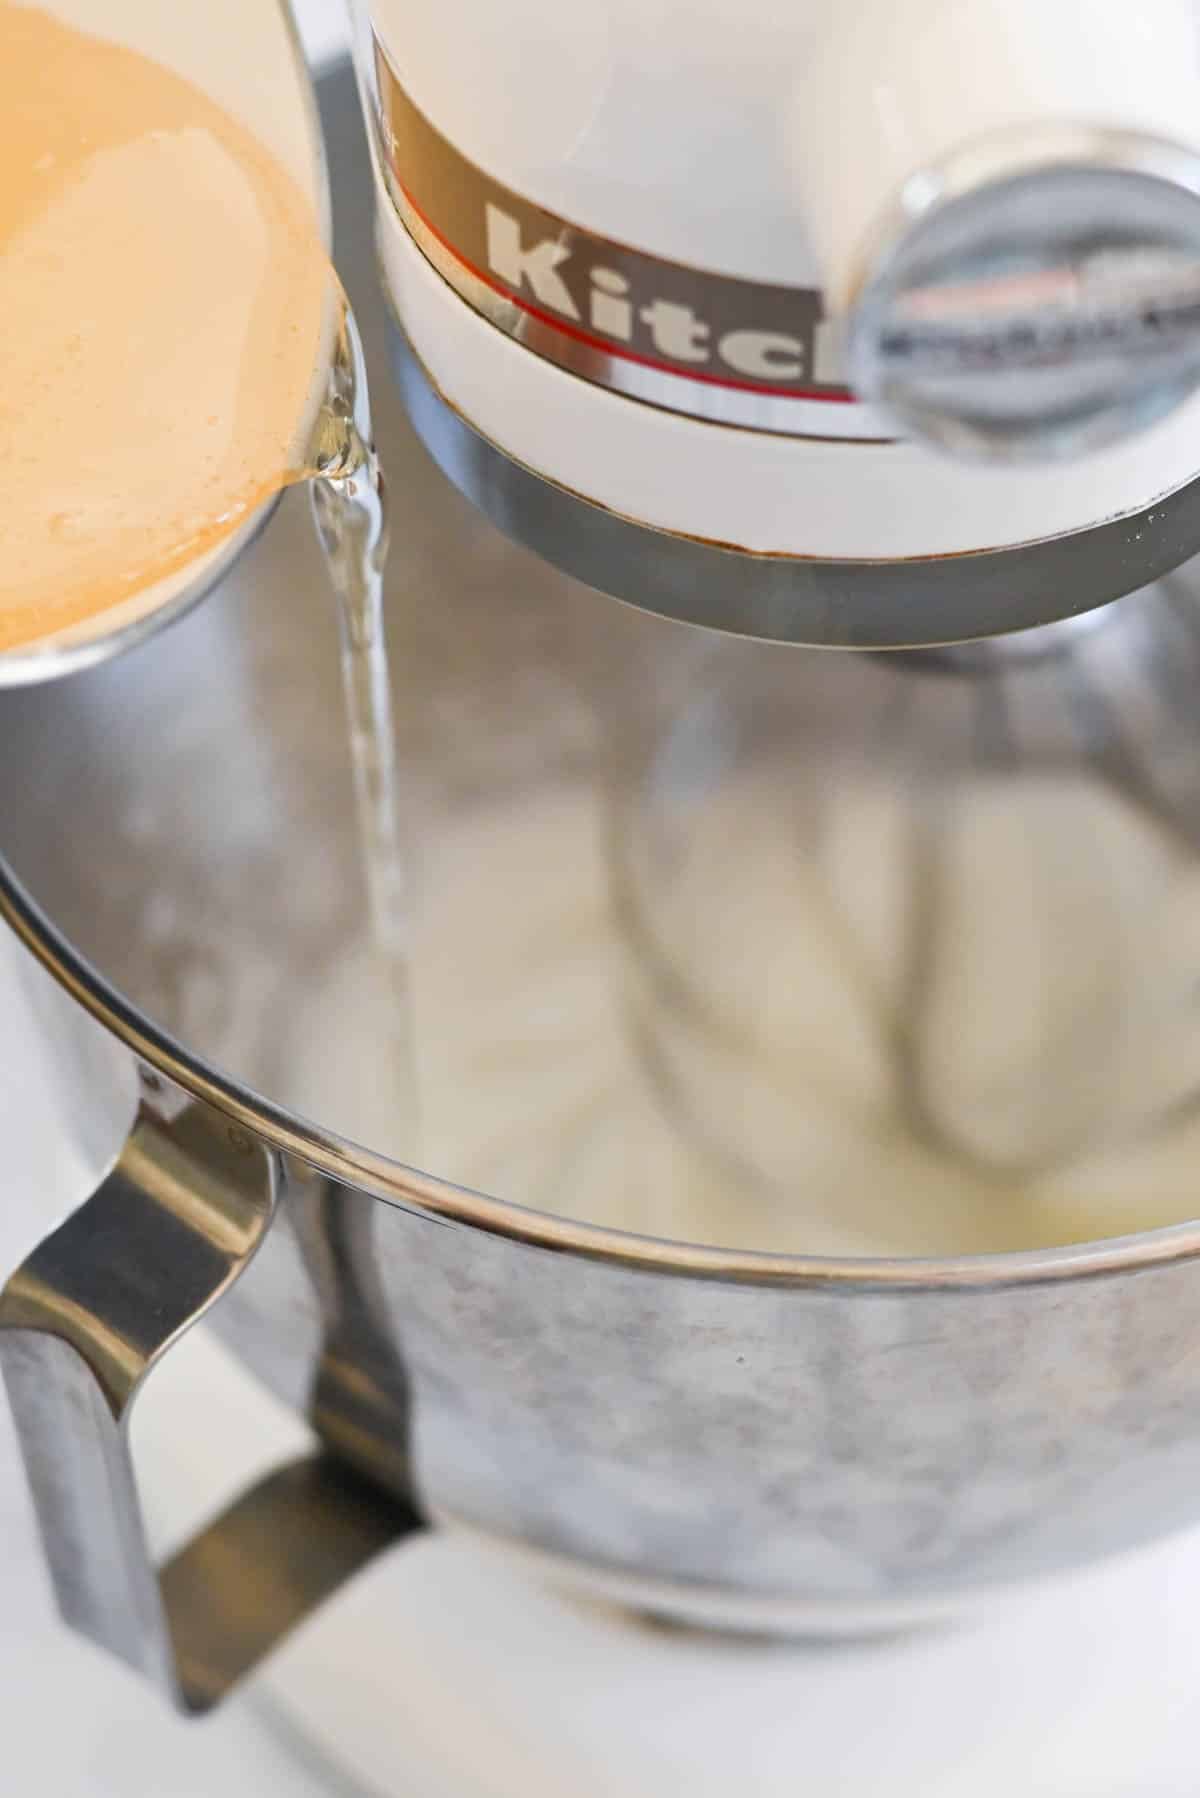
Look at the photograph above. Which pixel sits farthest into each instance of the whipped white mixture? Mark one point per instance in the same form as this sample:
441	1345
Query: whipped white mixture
808	1094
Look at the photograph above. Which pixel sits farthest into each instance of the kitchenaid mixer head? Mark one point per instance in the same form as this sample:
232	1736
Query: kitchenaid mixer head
688	323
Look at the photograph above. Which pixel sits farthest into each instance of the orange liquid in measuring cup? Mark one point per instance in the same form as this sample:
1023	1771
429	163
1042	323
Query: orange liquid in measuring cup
166	303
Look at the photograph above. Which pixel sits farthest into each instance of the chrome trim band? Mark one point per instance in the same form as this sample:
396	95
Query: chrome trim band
747	353
916	603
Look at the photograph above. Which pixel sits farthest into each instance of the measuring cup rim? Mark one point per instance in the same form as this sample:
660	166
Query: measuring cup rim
352	1164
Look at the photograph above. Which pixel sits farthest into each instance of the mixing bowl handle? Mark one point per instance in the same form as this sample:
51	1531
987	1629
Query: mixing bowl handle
82	1323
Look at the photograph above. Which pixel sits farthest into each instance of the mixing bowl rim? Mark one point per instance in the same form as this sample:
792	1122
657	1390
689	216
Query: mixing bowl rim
441	1201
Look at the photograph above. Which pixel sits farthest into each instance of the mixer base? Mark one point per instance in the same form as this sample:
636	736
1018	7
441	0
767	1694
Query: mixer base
448	1674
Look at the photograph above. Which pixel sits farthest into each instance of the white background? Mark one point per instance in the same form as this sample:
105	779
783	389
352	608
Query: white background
323	23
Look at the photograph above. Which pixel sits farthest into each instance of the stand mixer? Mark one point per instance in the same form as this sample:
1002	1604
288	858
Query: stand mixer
713	1412
725	216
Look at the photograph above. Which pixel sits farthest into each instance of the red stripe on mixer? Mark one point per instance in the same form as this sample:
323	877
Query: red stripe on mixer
754	355
840	396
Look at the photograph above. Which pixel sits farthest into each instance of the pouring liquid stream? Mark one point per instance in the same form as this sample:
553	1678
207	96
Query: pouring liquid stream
350	515
177	351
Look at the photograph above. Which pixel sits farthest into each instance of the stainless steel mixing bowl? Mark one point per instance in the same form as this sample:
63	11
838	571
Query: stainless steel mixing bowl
747	1439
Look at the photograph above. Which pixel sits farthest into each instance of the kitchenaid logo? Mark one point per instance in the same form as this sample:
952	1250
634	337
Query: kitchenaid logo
671	328
738	352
